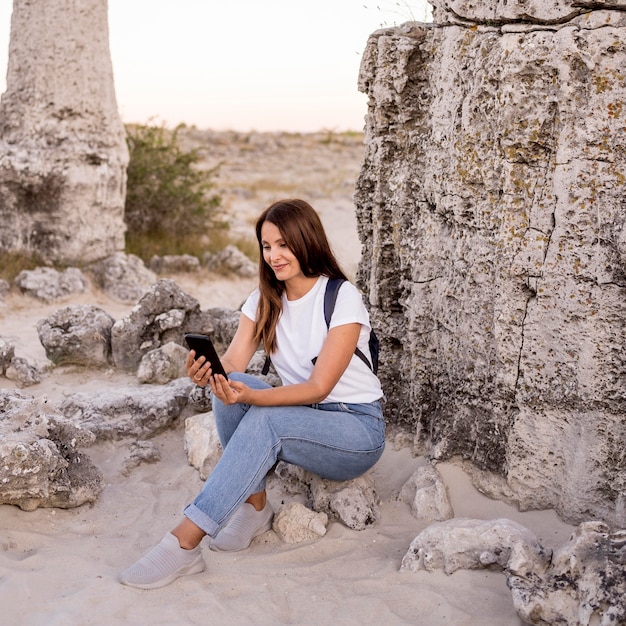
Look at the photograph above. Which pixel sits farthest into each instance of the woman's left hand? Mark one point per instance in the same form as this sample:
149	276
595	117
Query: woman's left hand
229	391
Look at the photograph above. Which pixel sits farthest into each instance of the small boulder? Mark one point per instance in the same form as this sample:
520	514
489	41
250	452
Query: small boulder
462	543
162	365
426	492
40	462
162	315
49	285
231	259
174	263
123	277
353	502
295	523
7	352
137	412
77	334
22	373
202	443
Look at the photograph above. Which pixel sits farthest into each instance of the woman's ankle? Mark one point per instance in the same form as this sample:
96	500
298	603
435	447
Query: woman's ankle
258	500
188	534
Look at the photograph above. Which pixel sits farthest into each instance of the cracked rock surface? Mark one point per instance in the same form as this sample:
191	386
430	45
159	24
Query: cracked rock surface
490	206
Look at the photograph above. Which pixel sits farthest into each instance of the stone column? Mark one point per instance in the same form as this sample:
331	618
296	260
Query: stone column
63	153
491	206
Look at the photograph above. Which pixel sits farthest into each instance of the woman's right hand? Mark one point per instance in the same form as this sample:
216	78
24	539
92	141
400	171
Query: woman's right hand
199	370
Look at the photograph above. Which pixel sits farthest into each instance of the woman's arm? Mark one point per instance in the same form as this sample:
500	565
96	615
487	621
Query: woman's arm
331	363
241	348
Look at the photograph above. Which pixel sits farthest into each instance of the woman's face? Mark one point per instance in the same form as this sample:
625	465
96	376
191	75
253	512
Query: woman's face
277	254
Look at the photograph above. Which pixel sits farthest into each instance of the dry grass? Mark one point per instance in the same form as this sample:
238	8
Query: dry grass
12	263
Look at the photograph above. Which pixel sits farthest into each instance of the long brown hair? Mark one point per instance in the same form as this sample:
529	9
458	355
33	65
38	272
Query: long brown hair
302	230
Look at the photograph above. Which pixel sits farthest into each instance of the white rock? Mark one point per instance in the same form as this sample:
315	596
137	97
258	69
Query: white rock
295	523
202	443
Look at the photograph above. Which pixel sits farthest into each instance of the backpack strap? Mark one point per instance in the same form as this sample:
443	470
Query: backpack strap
330	299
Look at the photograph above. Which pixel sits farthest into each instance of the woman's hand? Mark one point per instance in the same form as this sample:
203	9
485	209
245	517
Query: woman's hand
199	370
230	391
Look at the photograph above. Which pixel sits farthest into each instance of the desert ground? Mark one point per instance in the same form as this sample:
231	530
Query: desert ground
60	567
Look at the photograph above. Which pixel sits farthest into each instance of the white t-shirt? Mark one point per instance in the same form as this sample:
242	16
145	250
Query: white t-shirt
300	334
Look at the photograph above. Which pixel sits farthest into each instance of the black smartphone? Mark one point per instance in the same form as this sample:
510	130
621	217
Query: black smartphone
203	346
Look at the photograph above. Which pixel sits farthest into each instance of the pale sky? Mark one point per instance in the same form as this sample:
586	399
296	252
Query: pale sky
241	64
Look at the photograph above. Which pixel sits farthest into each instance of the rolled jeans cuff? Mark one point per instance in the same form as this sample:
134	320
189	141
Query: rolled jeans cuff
201	520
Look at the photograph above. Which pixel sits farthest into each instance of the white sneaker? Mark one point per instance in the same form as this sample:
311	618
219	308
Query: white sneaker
166	562
246	524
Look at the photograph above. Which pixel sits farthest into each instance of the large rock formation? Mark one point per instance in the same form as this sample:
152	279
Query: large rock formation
492	211
63	152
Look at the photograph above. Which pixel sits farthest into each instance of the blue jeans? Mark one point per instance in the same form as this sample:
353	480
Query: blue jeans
333	440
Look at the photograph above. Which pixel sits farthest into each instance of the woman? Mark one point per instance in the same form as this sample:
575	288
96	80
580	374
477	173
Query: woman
326	417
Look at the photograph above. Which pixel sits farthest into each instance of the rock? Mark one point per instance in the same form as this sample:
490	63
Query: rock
202	443
426	492
200	398
354	502
5	287
50	285
548	12
163	364
224	324
63	152
141	452
162	315
124	277
231	259
174	263
584	583
16	368
473	544
256	365
138	412
7	352
77	334
491	212
40	465
21	372
581	583
295	523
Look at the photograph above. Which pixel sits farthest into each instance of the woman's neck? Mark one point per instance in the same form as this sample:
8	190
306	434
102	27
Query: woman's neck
296	288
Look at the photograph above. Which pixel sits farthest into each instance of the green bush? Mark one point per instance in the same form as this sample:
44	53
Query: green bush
170	206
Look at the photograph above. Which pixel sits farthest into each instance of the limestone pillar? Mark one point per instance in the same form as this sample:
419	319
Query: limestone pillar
491	206
63	154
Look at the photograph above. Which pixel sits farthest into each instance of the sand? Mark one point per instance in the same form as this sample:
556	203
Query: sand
60	567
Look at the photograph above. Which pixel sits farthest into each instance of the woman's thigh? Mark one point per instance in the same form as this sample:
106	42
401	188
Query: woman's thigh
338	445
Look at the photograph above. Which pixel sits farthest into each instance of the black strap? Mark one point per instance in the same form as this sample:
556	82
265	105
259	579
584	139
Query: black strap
330	298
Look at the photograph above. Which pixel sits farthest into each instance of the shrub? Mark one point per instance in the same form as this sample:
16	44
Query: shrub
12	263
170	207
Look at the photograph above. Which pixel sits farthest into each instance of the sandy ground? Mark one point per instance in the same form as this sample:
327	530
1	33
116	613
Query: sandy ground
60	567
